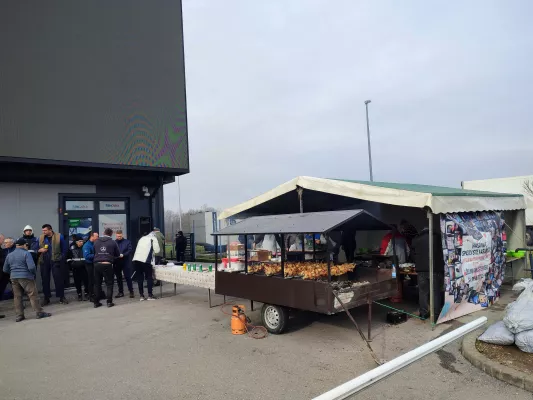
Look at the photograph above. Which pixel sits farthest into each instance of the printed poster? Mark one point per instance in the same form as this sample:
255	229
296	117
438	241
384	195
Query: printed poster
474	246
113	221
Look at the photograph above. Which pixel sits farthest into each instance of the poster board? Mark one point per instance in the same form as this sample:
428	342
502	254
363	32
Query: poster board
113	221
474	246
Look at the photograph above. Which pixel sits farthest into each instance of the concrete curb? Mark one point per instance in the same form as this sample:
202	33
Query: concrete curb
492	368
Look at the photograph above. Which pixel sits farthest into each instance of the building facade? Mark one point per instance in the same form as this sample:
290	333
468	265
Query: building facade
93	117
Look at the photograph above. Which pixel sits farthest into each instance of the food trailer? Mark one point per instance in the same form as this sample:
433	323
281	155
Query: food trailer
444	209
314	280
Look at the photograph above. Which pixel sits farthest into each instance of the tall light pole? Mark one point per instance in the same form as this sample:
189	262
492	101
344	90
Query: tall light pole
369	148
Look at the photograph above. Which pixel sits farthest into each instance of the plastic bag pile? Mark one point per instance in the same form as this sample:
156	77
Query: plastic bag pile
517	324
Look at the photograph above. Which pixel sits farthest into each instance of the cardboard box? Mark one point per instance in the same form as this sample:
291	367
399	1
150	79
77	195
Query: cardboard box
258	255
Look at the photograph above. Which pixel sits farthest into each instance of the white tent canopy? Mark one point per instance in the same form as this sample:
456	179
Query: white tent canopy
438	199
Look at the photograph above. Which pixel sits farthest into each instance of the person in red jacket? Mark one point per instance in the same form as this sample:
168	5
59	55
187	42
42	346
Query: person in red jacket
401	248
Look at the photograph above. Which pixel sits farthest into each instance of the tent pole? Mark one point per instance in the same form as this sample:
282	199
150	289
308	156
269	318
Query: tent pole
431	288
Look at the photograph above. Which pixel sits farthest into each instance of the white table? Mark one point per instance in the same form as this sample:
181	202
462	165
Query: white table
176	275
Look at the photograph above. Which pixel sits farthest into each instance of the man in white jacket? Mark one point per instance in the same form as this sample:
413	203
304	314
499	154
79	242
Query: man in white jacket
143	259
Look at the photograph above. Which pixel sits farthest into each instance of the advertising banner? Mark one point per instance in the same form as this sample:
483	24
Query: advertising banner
474	246
113	221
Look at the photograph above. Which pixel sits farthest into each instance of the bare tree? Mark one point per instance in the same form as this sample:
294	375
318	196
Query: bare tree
528	187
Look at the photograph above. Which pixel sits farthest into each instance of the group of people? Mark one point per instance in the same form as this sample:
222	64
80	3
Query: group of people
92	261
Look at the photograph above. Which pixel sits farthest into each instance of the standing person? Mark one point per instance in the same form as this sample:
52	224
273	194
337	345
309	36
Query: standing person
7	246
4	278
400	248
105	253
52	252
161	242
20	266
349	245
123	264
32	242
181	245
76	262
88	255
421	250
146	249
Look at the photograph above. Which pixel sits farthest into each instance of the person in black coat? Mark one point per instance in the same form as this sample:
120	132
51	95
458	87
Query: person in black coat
123	264
76	262
421	256
181	245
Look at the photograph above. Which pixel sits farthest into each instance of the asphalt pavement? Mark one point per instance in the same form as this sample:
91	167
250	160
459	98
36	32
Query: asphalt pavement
179	348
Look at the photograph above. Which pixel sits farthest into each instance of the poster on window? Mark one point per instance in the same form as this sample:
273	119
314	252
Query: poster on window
80	226
113	221
474	246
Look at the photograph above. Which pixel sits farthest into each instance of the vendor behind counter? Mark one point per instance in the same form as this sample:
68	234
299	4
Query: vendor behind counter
401	248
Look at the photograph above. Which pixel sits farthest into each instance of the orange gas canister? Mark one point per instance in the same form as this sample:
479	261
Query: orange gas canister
238	320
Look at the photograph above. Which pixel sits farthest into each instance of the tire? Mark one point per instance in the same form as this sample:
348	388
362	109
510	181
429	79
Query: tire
275	318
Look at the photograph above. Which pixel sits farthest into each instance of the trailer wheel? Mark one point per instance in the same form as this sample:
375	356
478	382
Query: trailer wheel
275	318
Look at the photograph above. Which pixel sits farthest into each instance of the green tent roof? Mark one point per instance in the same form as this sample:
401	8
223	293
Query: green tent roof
433	190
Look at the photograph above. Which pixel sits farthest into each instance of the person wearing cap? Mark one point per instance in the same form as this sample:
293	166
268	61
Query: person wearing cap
31	241
76	262
21	268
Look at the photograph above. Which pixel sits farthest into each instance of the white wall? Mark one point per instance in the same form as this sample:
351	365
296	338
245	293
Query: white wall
506	185
32	204
198	227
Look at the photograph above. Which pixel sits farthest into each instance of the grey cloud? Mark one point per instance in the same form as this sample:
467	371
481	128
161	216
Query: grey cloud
276	89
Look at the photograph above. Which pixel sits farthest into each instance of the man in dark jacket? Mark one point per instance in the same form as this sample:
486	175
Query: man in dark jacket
4	278
52	253
88	255
123	264
32	243
181	245
105	253
7	246
349	245
76	262
421	250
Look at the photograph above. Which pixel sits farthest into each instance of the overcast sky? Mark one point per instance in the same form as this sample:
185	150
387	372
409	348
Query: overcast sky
276	89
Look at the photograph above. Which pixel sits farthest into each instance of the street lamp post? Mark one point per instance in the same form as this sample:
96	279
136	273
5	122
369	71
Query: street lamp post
369	148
